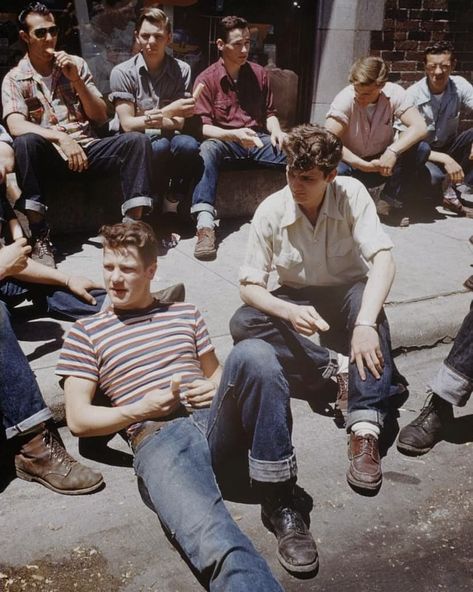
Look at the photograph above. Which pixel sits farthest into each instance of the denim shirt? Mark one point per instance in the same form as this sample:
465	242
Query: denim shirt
442	118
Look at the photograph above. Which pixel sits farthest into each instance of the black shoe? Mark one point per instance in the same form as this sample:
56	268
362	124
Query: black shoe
297	551
419	436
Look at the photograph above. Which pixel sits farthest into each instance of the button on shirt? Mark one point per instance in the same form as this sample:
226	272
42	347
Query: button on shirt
24	91
132	81
248	102
360	136
442	118
347	234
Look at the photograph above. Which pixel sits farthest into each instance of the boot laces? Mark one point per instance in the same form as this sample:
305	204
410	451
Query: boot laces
426	410
56	450
292	520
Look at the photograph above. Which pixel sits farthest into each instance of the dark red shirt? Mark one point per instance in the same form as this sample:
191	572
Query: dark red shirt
230	105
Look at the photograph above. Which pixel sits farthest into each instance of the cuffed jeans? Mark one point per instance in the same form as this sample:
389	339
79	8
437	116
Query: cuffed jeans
129	154
454	380
22	406
215	153
305	363
175	477
175	159
459	150
408	166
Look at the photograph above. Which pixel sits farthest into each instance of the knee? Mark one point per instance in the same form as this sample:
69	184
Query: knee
136	141
210	150
186	146
254	357
423	153
240	324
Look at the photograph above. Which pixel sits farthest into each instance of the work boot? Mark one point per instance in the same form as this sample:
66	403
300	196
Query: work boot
43	458
42	250
205	247
297	551
341	403
364	472
419	436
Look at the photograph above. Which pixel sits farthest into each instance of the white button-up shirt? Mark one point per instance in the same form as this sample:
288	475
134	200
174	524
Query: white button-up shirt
347	235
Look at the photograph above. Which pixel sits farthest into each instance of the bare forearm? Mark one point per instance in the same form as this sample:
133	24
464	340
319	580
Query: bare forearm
377	287
19	126
94	106
101	421
36	273
408	138
259	297
213	131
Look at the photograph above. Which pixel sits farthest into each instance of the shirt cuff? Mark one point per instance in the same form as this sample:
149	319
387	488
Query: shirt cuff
371	248
125	96
251	275
338	115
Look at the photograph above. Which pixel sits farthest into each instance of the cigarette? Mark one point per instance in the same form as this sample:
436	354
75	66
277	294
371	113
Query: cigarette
257	142
50	51
176	380
198	89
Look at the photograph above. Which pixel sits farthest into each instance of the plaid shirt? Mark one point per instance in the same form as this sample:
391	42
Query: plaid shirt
24	92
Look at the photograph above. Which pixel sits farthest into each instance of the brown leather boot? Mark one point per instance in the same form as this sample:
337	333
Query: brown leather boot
44	459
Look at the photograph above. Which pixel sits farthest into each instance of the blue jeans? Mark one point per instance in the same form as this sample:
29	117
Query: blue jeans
175	159
21	403
454	380
128	155
215	153
459	150
408	166
53	300
305	363
176	481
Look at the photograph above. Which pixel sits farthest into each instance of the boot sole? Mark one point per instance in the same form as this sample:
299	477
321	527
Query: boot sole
412	450
206	256
362	486
26	477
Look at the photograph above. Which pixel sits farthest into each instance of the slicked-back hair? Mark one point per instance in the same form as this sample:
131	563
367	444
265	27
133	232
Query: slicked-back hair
156	16
309	146
369	70
228	24
438	48
132	234
31	8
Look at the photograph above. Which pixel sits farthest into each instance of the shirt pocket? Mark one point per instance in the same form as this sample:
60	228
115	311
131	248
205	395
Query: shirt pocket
340	248
288	259
451	125
35	109
222	107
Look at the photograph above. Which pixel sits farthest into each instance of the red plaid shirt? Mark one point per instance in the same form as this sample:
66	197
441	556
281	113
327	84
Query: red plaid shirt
24	91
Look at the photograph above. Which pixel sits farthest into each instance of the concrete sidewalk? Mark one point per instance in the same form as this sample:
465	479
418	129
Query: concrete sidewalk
426	305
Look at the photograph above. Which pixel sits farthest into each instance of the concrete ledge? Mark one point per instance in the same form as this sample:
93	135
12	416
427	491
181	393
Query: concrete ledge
77	207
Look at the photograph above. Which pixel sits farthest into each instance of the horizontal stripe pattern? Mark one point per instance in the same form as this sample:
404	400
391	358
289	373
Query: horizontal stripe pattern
129	355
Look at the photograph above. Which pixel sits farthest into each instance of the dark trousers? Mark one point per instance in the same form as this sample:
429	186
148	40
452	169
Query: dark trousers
459	150
306	364
128	155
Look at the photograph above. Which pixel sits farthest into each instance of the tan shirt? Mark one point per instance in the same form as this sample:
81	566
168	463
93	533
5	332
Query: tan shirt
347	235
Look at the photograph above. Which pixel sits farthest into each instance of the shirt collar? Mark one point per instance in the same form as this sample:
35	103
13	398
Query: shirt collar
425	94
328	208
26	71
165	70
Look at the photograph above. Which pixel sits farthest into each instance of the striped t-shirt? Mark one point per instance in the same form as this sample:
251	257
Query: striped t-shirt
132	353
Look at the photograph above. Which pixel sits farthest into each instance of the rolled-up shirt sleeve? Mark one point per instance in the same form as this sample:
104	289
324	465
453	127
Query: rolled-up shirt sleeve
259	254
341	106
204	104
121	86
368	232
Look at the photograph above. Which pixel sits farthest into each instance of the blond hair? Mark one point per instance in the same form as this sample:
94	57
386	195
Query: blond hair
369	70
156	16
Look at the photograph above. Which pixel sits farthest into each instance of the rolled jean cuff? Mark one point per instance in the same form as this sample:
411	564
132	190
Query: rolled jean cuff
137	202
331	369
28	423
371	415
451	386
203	207
272	471
33	206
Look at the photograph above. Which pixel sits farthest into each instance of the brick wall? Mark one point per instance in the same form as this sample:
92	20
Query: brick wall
411	25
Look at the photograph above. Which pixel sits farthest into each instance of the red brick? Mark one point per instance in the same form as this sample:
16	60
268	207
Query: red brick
391	56
408	25
404	66
375	52
418	35
410	3
416	56
438	35
406	45
435	26
440	4
410	76
388	24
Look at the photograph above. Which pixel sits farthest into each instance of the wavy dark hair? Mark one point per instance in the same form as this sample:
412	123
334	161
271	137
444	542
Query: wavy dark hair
309	146
31	8
132	234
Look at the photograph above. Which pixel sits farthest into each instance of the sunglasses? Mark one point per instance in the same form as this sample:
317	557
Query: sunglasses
43	31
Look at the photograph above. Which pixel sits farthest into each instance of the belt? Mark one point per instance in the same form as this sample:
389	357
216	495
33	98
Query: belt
150	427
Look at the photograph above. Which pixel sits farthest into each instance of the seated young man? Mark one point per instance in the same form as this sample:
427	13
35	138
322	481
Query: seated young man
148	92
319	232
440	97
362	115
39	453
158	367
49	104
239	121
451	386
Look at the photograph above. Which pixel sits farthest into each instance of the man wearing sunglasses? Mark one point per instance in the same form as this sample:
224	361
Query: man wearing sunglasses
50	104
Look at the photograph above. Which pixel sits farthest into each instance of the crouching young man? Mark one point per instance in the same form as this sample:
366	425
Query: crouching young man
319	232
158	367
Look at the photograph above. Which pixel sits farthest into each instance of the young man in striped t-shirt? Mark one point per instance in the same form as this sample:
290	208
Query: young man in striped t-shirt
158	367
